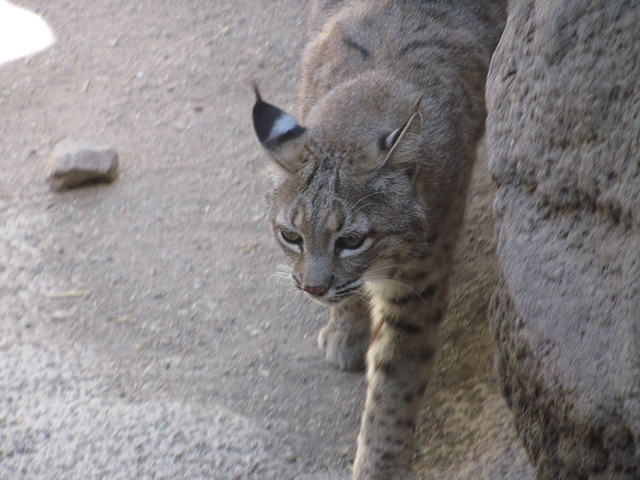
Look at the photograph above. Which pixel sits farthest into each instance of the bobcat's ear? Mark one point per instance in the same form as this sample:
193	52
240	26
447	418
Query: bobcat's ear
279	134
389	143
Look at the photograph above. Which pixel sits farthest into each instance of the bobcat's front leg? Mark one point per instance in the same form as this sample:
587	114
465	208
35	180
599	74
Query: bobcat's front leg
404	344
345	339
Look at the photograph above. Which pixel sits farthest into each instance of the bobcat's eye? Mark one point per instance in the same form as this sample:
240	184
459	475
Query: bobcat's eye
291	237
351	241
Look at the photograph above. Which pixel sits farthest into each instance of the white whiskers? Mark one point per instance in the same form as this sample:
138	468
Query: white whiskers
351	210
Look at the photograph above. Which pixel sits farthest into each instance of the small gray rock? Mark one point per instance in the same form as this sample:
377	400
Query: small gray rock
78	162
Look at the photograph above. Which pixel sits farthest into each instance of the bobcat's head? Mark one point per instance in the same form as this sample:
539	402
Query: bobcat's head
345	205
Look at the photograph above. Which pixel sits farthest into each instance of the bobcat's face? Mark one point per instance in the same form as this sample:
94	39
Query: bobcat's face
341	228
343	211
329	235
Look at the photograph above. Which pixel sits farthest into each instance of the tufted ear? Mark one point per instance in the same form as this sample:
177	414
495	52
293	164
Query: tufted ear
390	142
279	133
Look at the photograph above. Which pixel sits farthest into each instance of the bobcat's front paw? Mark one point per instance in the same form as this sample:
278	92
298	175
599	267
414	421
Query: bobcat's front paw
343	349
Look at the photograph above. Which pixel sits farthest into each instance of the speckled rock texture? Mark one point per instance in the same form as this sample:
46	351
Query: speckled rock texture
564	143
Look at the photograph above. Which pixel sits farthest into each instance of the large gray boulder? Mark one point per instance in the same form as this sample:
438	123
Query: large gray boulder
563	133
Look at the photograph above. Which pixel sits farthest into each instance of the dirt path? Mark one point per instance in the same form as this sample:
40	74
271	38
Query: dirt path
142	332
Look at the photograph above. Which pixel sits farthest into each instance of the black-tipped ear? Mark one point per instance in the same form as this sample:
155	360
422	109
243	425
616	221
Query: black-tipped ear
388	143
278	132
387	140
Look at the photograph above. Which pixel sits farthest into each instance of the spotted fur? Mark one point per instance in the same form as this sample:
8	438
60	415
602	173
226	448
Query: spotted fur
369	194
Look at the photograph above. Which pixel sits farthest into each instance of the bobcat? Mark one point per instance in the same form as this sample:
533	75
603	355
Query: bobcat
369	191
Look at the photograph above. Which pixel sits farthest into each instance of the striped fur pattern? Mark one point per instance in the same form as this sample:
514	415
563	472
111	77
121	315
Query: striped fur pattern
369	191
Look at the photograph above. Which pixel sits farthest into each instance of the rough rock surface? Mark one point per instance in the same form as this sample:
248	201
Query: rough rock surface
78	162
154	300
564	143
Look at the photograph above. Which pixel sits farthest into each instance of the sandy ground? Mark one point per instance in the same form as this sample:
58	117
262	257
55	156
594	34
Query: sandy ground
142	332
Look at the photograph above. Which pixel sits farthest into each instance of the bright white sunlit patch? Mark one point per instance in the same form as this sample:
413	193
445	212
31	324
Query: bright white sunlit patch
21	32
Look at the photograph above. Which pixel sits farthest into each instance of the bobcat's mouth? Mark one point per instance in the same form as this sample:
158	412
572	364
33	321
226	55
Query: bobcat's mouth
339	297
333	299
342	292
334	295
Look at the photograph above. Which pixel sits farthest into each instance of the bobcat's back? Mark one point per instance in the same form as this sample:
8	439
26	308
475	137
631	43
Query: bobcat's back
420	42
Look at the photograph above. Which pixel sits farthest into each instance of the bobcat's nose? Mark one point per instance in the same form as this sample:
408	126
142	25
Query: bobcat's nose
315	291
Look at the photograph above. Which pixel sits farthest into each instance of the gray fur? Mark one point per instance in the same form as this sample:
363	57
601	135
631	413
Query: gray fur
364	72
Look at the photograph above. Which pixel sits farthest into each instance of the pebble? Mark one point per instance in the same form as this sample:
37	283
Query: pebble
77	162
290	456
